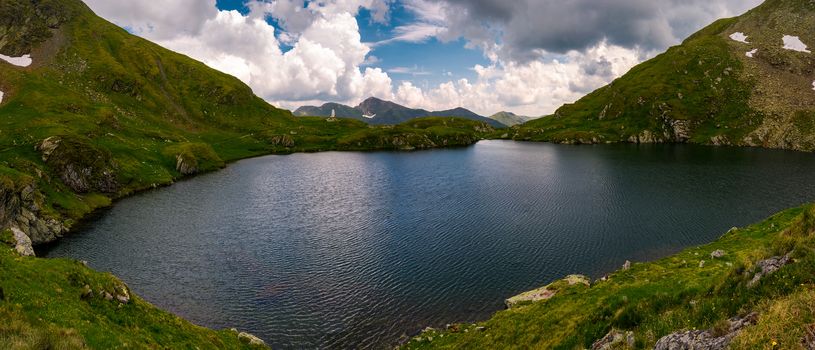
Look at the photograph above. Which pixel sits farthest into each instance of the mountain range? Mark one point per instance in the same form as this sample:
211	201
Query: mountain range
99	114
380	112
90	113
743	81
510	119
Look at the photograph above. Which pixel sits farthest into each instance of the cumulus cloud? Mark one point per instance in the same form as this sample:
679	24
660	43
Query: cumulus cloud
527	88
527	29
541	53
325	56
545	53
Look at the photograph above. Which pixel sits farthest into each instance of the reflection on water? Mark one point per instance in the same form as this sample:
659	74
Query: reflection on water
352	250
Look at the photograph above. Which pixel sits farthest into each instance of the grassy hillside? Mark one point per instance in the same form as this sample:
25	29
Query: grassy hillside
102	113
509	118
706	90
688	291
61	304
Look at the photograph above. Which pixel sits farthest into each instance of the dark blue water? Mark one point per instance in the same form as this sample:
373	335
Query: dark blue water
353	250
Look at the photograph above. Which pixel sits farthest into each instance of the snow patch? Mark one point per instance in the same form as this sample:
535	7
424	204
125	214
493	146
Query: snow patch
22	61
751	53
740	37
794	43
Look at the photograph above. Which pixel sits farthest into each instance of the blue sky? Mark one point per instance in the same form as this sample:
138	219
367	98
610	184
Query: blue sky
523	56
425	64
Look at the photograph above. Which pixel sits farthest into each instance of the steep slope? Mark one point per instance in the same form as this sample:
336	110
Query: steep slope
388	113
509	118
101	113
89	114
61	304
751	289
340	110
711	89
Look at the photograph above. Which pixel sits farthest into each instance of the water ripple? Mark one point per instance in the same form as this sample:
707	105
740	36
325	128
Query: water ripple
353	250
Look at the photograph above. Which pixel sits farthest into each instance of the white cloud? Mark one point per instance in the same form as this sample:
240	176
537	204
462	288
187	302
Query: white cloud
324	62
157	20
532	88
414	71
413	33
317	55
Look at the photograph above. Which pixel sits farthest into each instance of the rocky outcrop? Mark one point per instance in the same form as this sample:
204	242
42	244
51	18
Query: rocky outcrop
186	164
21	208
250	338
23	243
546	292
706	339
769	266
614	340
81	166
194	158
281	140
808	342
121	293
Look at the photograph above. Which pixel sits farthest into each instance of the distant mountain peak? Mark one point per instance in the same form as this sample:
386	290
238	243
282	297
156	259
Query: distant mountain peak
378	111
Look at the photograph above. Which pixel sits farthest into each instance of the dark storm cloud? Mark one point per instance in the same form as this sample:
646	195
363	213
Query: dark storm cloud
525	27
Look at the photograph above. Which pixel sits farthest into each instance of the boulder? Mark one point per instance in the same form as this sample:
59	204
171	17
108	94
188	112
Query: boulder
251	339
80	165
23	245
121	294
87	292
767	267
186	164
627	265
808	342
613	340
718	253
548	291
705	339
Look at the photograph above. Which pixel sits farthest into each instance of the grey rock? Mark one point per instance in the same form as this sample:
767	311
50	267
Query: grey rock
87	292
186	165
48	146
253	340
614	339
627	265
23	245
808	342
705	339
122	294
769	266
718	253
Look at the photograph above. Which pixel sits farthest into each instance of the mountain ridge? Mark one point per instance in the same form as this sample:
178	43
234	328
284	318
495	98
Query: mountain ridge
387	112
101	114
510	119
711	90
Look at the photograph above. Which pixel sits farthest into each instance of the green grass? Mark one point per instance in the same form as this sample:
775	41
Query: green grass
122	112
43	308
705	91
672	294
696	83
126	109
